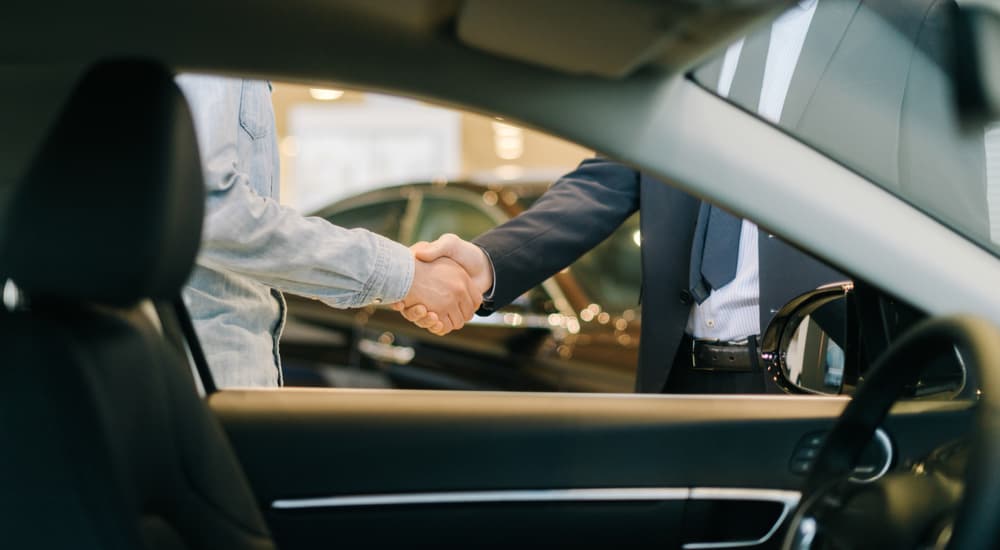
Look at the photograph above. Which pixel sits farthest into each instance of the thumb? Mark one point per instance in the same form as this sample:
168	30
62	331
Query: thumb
428	252
418	247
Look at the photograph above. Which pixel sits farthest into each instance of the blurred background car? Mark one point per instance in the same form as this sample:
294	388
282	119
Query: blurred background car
578	331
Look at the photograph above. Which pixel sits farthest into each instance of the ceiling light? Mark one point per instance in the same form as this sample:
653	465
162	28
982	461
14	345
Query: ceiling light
508	141
325	94
508	172
503	129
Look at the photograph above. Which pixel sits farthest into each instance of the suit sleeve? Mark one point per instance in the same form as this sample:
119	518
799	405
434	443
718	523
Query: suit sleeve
577	213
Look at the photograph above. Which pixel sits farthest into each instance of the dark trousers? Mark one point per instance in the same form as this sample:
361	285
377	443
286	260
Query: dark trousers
684	378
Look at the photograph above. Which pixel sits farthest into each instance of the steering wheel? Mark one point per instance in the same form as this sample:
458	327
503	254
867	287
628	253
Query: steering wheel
932	505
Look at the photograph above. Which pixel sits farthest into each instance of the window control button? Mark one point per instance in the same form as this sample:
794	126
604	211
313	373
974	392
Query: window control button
814	440
801	467
808	453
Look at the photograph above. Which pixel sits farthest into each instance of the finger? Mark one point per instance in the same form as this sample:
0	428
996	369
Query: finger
399	306
418	315
428	252
447	245
466	254
451	322
475	296
465	308
415	313
428	321
475	299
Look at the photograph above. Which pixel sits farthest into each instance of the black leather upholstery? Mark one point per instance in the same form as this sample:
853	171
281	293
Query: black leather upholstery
104	441
111	208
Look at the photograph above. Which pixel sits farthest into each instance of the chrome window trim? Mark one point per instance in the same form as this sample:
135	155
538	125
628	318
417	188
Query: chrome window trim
788	499
465	497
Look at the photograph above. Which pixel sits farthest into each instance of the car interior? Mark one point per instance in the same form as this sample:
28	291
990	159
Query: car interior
123	452
115	436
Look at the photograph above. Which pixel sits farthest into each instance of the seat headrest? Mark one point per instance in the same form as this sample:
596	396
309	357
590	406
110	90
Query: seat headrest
110	210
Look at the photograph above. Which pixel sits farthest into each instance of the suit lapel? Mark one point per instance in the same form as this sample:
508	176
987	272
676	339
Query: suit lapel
828	26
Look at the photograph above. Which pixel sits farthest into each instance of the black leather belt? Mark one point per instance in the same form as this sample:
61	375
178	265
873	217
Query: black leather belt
716	355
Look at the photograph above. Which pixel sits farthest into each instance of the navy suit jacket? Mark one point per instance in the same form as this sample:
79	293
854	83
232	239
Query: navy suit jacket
847	38
585	206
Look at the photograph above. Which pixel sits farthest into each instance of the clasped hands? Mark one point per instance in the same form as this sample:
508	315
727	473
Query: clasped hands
449	279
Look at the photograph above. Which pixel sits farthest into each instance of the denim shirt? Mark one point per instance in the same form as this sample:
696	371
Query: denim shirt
253	249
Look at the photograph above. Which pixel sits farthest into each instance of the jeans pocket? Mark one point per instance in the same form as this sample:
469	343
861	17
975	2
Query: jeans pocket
255	109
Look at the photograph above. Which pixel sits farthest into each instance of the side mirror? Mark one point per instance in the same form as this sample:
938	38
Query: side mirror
804	347
814	345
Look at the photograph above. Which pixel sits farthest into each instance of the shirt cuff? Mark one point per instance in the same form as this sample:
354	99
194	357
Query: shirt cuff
392	275
488	295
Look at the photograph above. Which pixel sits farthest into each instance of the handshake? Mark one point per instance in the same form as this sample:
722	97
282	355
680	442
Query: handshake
449	279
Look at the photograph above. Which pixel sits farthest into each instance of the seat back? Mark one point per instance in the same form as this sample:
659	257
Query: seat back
106	443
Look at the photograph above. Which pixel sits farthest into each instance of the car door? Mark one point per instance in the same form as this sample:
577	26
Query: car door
478	469
490	469
403	468
481	469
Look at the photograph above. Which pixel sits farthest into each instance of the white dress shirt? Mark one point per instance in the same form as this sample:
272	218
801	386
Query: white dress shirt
733	312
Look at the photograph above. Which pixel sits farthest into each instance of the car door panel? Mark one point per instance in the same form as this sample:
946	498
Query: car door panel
298	445
514	525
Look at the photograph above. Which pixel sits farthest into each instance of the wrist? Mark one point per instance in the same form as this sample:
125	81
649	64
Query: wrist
486	278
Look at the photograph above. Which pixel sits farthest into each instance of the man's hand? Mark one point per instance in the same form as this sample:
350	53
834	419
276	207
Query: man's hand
469	256
445	292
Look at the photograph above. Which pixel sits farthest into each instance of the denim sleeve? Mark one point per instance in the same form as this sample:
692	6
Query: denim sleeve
254	236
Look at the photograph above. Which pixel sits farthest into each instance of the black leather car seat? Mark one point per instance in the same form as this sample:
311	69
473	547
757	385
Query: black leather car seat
104	440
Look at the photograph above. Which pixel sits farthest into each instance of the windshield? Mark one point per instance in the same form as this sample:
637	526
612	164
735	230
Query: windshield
872	85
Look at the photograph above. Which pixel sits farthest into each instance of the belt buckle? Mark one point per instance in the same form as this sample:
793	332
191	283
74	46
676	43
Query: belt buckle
745	342
695	342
